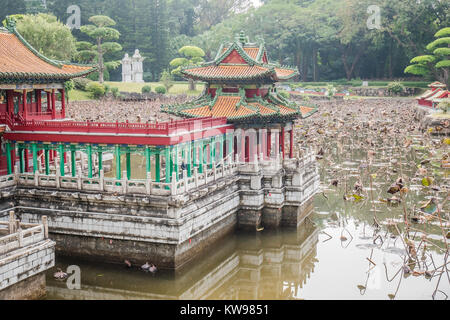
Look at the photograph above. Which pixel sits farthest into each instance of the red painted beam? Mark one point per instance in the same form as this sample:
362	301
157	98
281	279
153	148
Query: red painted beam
115	139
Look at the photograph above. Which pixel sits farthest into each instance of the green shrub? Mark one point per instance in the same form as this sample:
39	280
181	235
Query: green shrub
284	94
69	85
396	87
146	89
107	88
444	105
167	80
115	92
96	90
331	91
81	83
160	90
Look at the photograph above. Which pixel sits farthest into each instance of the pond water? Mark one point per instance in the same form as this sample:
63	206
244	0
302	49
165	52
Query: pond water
355	245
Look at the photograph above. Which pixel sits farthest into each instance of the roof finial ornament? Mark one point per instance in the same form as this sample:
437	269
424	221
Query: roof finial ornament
10	23
243	39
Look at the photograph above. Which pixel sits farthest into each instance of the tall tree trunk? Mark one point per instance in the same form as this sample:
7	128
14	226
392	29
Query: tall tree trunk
101	66
315	66
191	84
390	59
304	66
349	69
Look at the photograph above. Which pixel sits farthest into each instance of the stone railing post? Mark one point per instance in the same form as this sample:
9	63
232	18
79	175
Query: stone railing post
16	174
204	172
58	180
45	223
185	178
20	236
36	178
215	171
173	187
102	180
196	177
148	183
124	182
79	184
12	223
256	165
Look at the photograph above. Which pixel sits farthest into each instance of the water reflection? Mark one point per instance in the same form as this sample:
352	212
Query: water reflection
267	265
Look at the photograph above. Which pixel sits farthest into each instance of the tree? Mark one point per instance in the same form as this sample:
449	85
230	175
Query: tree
100	30
436	63
48	35
192	56
167	80
212	12
10	7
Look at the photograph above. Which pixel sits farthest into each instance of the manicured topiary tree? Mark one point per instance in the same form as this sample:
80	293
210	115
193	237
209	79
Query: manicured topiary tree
97	90
146	89
100	30
436	63
192	56
160	90
167	80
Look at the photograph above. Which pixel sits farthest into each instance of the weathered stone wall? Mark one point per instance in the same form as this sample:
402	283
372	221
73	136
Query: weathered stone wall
170	230
20	271
32	288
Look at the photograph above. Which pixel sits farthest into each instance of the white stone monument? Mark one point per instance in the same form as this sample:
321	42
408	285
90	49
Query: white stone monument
127	75
132	68
137	67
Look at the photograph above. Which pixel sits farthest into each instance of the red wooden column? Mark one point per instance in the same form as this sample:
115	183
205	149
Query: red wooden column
63	103
24	98
38	101
10	101
282	142
291	143
53	104
49	102
269	143
26	159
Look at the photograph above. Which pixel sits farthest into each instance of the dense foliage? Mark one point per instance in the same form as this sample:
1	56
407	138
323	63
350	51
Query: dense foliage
437	62
48	35
325	39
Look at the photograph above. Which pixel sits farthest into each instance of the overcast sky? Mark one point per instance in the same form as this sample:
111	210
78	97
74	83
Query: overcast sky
256	2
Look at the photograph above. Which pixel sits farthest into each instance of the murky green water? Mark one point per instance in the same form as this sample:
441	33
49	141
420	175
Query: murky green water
326	258
346	249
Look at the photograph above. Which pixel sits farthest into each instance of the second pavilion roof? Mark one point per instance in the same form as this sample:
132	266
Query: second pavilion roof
240	61
239	108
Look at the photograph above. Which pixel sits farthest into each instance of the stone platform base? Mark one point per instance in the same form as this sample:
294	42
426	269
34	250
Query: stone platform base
32	288
164	256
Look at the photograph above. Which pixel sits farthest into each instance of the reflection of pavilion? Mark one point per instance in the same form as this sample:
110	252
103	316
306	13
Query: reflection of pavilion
285	260
271	265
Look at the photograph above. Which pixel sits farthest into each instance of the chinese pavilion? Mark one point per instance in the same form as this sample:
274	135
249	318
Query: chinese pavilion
240	85
432	97
36	137
31	85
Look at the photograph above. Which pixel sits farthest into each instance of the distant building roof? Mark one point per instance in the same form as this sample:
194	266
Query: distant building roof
240	61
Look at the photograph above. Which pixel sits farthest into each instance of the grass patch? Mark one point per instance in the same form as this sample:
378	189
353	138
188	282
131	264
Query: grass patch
178	87
440	115
358	83
78	95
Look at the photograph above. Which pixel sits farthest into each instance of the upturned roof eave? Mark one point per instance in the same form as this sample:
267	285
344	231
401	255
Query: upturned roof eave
27	76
